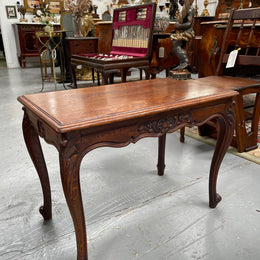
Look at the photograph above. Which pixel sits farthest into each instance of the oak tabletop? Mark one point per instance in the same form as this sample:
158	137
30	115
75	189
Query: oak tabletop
69	110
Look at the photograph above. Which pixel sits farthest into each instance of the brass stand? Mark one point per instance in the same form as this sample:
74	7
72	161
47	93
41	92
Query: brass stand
49	47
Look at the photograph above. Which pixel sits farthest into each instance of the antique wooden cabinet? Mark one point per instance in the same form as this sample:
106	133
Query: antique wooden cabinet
76	46
27	40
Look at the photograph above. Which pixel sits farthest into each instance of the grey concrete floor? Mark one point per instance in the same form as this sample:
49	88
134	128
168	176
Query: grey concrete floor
131	213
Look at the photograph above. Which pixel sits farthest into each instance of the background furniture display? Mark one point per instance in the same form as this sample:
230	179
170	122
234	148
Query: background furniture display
211	46
27	40
239	35
79	45
168	59
195	43
115	116
131	44
50	52
212	37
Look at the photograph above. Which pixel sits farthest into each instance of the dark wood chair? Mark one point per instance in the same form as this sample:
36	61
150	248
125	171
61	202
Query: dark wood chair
245	24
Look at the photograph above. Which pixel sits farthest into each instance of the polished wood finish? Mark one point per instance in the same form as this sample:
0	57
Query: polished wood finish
27	40
115	116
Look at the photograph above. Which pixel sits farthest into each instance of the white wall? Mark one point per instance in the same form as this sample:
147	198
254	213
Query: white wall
8	29
8	34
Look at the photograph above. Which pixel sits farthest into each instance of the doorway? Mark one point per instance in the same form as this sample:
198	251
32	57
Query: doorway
2	52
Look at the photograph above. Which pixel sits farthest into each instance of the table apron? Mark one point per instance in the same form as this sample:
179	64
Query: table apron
126	131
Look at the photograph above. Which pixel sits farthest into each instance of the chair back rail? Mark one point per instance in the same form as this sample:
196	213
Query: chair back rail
246	21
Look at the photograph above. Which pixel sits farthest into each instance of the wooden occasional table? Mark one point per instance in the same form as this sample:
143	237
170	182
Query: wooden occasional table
114	116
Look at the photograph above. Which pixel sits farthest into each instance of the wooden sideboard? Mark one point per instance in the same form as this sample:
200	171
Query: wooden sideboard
27	40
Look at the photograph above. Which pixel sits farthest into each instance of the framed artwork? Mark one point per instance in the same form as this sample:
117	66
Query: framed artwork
11	11
29	4
66	5
55	6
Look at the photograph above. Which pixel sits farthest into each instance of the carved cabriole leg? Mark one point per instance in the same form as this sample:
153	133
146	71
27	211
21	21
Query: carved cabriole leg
161	154
34	148
225	134
70	161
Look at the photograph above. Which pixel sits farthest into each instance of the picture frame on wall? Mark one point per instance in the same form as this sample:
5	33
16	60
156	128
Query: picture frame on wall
11	11
66	5
30	4
55	6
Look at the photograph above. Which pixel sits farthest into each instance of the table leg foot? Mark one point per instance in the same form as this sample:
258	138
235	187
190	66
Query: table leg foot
225	134
214	201
45	212
161	155
34	148
69	167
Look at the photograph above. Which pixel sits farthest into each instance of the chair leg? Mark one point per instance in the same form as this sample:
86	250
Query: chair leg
98	78
246	141
182	133
141	74
93	75
240	123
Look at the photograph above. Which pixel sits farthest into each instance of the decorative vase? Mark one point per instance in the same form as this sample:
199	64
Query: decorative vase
78	29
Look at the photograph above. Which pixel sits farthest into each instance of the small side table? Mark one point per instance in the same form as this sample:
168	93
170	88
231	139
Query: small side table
50	52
